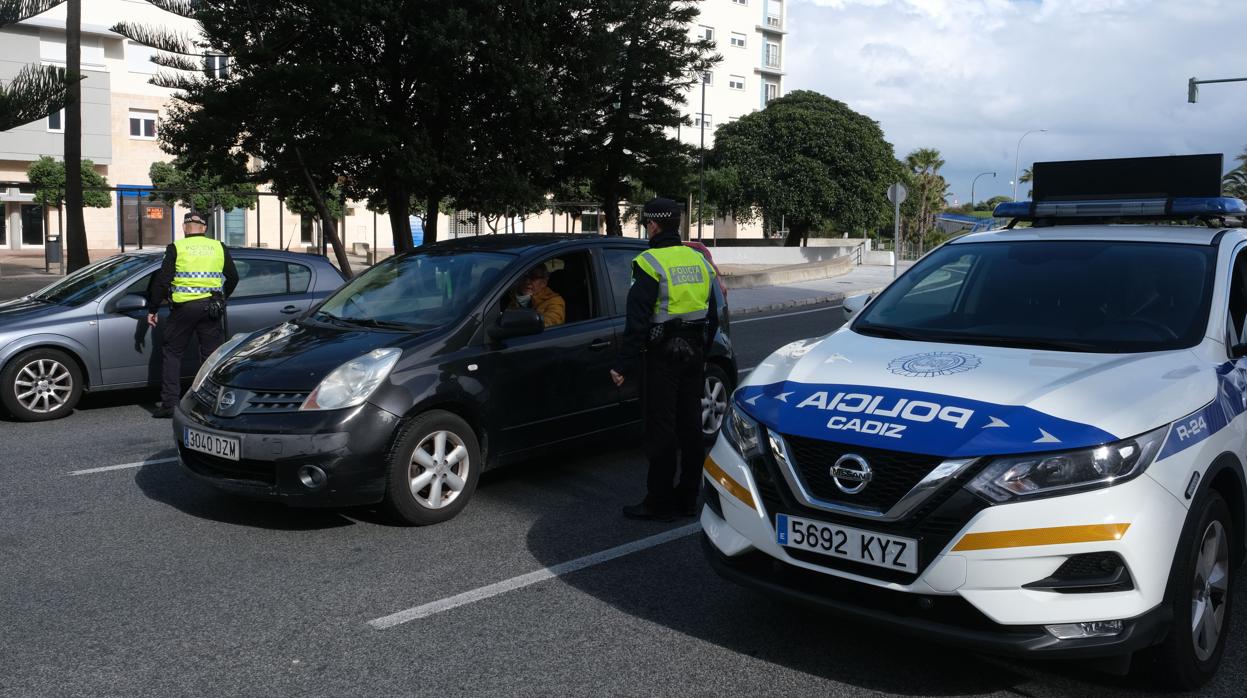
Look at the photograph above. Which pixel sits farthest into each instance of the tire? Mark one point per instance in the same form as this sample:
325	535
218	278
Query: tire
714	405
41	384
1186	659
435	479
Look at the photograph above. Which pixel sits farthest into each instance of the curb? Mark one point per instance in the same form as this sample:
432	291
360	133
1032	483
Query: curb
799	302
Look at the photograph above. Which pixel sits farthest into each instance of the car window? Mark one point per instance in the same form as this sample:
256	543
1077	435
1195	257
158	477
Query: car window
140	286
268	277
88	283
1072	295
1238	300
570	276
619	275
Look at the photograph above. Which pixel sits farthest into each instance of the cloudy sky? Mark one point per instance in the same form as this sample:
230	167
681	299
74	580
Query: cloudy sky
1107	78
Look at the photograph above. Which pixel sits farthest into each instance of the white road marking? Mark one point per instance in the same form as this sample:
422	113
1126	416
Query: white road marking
124	466
798	312
743	371
541	575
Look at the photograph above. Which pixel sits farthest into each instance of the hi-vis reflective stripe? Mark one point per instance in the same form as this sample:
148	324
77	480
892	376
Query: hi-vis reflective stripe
201	274
1057	535
194	289
737	490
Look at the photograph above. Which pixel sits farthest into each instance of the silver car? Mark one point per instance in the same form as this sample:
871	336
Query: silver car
88	331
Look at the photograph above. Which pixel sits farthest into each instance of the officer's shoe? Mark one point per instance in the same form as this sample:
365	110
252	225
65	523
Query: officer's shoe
163	413
647	512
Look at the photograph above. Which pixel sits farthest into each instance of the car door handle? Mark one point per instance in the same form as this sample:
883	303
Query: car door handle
599	344
290	309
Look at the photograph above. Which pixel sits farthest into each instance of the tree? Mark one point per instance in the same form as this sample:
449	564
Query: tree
929	187
635	62
1026	177
37	91
1234	183
807	158
47	175
175	183
404	100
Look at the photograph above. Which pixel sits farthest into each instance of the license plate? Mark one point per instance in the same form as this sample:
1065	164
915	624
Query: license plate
211	444
847	543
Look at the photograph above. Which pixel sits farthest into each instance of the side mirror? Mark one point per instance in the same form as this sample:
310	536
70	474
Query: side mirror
1238	351
518	322
130	301
854	304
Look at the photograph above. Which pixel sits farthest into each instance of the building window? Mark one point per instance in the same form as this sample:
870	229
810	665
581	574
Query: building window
772	91
56	122
736	82
698	119
774	14
740	2
216	65
772	54
704	32
738	40
142	124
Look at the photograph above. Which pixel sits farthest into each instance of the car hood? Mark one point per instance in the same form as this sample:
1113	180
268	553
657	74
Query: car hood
960	401
21	311
297	356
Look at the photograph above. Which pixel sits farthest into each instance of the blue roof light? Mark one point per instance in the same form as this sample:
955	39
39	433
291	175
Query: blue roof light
1179	207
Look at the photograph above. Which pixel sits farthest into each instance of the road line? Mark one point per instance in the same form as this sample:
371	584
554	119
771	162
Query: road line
741	373
541	575
124	466
798	312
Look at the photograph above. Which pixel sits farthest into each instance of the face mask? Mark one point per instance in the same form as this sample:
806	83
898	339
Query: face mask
524	300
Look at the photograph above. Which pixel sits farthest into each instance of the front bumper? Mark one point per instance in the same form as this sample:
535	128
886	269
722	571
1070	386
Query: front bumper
974	596
349	446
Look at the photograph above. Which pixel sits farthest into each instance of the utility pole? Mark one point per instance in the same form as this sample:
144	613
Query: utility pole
972	183
701	157
1018	152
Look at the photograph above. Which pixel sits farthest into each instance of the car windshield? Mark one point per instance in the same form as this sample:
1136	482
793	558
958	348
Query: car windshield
1079	295
415	292
88	283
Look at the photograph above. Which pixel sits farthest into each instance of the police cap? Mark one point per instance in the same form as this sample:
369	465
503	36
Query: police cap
194	217
664	212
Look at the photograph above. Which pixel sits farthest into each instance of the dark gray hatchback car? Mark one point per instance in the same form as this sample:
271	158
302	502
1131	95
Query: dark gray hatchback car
88	331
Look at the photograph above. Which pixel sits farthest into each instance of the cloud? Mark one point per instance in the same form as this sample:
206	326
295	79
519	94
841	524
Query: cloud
1107	78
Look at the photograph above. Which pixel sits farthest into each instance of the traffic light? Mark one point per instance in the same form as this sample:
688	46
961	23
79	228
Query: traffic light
1192	91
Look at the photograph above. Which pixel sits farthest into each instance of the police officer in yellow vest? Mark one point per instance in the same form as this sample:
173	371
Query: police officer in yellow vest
194	268
672	318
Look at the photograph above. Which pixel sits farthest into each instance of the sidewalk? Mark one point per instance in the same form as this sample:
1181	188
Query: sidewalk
862	279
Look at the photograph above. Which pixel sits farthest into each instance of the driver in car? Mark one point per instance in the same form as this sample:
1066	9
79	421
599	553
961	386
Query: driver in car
533	291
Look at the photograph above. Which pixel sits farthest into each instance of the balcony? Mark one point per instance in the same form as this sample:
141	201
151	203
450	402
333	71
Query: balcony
774	24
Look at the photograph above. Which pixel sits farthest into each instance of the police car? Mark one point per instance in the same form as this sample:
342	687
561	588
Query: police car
1031	443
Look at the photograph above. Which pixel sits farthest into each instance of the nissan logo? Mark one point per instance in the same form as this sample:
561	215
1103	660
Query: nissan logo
851	473
226	400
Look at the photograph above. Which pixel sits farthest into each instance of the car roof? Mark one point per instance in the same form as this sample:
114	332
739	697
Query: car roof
521	242
262	252
1177	234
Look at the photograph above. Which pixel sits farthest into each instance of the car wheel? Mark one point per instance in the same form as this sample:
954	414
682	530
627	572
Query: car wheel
434	467
715	393
41	384
1202	597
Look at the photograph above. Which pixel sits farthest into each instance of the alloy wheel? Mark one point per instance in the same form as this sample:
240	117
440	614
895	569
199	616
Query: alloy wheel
439	469
1210	591
43	385
713	404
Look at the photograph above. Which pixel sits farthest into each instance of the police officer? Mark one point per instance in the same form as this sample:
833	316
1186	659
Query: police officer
672	319
194	269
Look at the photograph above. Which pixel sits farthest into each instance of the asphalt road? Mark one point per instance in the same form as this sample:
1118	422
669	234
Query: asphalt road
136	581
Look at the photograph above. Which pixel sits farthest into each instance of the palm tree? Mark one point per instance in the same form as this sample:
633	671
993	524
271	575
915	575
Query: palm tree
1026	177
925	164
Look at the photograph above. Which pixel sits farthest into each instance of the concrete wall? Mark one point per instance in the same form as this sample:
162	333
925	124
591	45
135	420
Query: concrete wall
785	255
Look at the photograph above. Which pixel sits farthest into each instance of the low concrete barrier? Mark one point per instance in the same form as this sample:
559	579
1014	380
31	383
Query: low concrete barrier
778	256
836	266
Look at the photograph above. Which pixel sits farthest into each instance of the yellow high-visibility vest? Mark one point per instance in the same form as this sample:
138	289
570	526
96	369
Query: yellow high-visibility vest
684	277
200	268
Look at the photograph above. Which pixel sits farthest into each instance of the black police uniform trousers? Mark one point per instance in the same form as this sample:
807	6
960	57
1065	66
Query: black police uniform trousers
185	320
673	434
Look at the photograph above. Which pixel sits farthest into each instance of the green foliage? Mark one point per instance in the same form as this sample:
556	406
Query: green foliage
14	11
1234	183
47	174
34	93
177	183
300	202
806	157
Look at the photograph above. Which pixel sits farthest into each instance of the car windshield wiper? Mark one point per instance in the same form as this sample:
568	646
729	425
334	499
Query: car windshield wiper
380	324
887	331
1017	342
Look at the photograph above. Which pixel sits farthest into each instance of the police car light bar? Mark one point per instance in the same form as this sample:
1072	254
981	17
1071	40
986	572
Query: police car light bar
1182	207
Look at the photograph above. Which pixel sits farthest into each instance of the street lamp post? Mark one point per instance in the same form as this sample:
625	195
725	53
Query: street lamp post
1018	152
976	179
701	158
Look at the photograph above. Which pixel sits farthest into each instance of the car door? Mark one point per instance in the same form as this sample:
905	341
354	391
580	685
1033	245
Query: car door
269	291
129	348
555	385
618	273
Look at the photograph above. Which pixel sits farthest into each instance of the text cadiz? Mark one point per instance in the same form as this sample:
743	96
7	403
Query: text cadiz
919	411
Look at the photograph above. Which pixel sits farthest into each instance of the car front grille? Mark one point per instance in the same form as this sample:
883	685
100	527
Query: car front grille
933	524
894	473
275	402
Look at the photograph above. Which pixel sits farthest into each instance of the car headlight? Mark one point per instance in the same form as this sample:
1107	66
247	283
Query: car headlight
741	432
215	357
354	381
1049	474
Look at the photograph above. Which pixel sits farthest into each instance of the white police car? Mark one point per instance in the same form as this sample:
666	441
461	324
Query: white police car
1031	443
